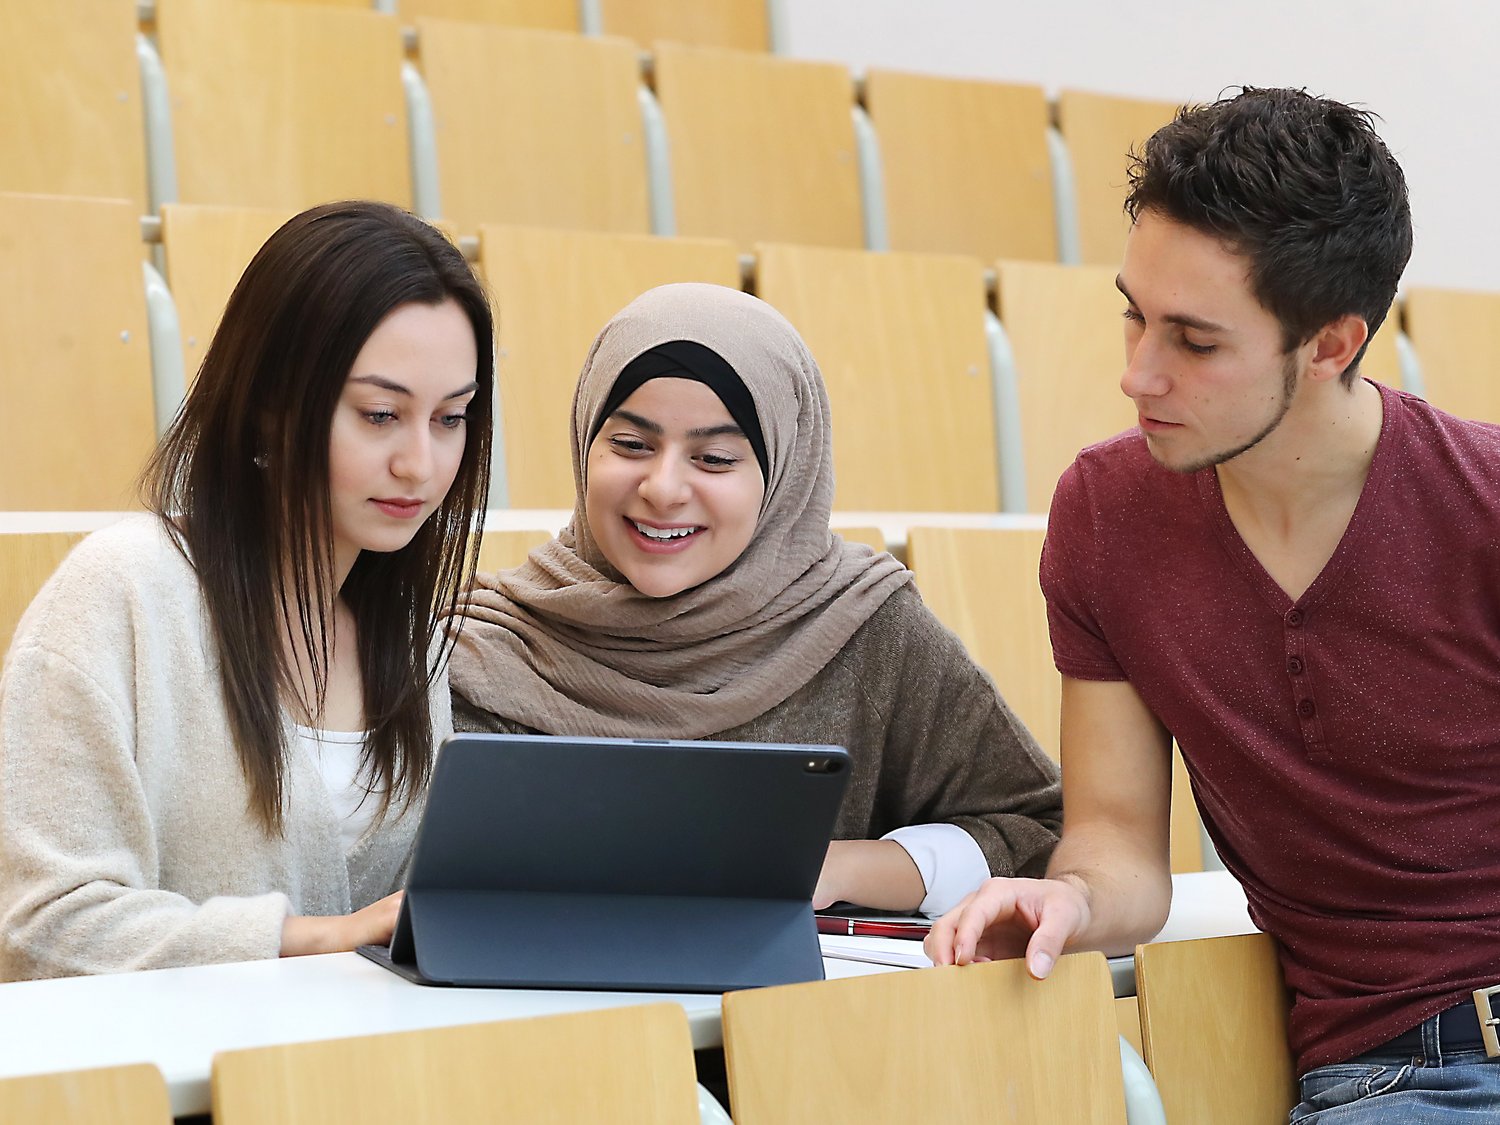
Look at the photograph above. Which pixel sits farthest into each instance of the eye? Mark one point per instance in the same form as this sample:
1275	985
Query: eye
629	445
1133	316
717	461
453	421
379	417
1200	349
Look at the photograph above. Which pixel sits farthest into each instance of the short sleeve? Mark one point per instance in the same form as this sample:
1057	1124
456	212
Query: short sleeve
1070	578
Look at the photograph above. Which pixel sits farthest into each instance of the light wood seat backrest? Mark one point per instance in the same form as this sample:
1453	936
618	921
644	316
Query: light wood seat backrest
284	105
1456	335
1064	327
762	147
979	1043
71	89
1100	131
742	25
619	1065
536	128
207	249
1213	1029
506	550
73	346
982	583
548	15
901	343
116	1095
966	166
27	560
553	292
1382	360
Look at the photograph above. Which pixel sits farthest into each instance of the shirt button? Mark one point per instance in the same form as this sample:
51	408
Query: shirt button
1294	665
1294	618
1307	708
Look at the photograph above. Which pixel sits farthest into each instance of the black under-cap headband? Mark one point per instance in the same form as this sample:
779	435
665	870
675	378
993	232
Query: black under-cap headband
687	359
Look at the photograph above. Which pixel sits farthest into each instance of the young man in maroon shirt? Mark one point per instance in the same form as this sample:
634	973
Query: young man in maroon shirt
1296	574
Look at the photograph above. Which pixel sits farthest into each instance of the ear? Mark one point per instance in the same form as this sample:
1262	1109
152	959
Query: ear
1336	344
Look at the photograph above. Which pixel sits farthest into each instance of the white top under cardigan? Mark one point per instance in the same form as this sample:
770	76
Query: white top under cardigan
126	841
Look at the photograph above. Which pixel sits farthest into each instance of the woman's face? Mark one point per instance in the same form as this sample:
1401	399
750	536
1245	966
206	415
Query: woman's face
398	436
674	489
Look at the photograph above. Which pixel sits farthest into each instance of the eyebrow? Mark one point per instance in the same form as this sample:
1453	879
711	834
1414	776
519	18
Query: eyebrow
651	427
396	388
1182	319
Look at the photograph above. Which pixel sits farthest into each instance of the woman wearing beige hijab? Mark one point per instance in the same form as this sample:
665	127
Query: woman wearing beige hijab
699	593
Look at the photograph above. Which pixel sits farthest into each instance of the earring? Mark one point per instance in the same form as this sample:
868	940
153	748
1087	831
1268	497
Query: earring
260	460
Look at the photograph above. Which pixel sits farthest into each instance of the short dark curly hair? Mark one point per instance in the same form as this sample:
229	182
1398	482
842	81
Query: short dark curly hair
1301	186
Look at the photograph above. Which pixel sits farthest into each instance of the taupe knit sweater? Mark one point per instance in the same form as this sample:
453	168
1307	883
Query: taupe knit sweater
126	840
930	738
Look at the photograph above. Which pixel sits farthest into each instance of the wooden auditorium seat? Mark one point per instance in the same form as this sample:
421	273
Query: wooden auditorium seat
27	560
618	1066
284	105
966	166
762	148
536	128
742	25
548	15
1067	338
75	362
507	549
115	1095
1382	361
978	1043
982	583
1213	1029
1100	130
1456	334
553	292
71	89
901	343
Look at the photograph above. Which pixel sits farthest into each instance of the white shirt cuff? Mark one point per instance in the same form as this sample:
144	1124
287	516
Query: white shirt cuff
949	860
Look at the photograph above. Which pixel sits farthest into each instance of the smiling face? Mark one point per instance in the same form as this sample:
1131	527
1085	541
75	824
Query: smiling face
398	436
1206	366
673	488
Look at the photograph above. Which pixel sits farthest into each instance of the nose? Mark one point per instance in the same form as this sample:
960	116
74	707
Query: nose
412	458
1145	374
665	485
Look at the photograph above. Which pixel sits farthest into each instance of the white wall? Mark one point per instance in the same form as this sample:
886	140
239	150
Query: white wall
1430	68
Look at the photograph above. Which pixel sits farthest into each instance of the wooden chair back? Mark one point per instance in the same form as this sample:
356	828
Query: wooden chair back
1213	1029
284	105
980	1043
116	1095
536	128
619	1065
73	341
742	25
1456	335
71	88
1063	323
544	15
762	147
871	537
1100	131
506	550
553	292
27	560
1382	360
966	166
901	343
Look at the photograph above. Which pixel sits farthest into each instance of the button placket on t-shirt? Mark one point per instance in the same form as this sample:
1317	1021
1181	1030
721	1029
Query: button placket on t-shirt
1299	673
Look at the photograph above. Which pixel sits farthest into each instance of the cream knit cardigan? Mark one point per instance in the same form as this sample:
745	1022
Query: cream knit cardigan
126	840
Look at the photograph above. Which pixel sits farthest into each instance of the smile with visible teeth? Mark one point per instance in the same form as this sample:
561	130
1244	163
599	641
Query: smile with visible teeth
663	533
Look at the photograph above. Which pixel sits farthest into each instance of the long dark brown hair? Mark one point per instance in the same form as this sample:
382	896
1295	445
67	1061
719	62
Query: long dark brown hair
241	481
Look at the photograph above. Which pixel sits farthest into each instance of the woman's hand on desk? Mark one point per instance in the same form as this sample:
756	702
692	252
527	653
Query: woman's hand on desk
342	932
1009	917
874	873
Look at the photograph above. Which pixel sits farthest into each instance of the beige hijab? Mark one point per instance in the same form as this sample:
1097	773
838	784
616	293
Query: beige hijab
565	645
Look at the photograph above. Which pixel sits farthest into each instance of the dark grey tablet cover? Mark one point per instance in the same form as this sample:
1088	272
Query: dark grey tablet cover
658	866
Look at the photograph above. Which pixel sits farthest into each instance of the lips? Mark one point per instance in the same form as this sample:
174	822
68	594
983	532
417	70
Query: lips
659	539
399	507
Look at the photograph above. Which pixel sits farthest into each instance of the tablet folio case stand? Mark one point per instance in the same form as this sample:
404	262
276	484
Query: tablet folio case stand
613	864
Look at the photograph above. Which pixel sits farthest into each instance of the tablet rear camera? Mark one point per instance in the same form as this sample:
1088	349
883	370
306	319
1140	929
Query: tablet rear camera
823	765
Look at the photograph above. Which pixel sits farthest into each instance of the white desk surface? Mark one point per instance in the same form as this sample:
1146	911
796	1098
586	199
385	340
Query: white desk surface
178	1018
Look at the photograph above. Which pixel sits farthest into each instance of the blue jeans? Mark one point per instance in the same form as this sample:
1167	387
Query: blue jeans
1427	1087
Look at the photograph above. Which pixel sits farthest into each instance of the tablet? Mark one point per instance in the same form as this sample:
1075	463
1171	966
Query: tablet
588	863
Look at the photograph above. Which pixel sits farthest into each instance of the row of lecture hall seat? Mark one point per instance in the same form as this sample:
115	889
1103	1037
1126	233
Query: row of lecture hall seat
980	1043
282	105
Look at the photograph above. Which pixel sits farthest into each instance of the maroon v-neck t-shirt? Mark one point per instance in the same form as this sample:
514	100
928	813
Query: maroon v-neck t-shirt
1344	748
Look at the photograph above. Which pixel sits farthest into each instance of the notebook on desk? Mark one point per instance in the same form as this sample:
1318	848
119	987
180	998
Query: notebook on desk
649	865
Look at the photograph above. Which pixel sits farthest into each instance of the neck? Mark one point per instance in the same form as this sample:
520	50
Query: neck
1320	454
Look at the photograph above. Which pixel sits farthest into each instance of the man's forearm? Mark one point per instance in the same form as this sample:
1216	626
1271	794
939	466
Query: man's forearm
1128	891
